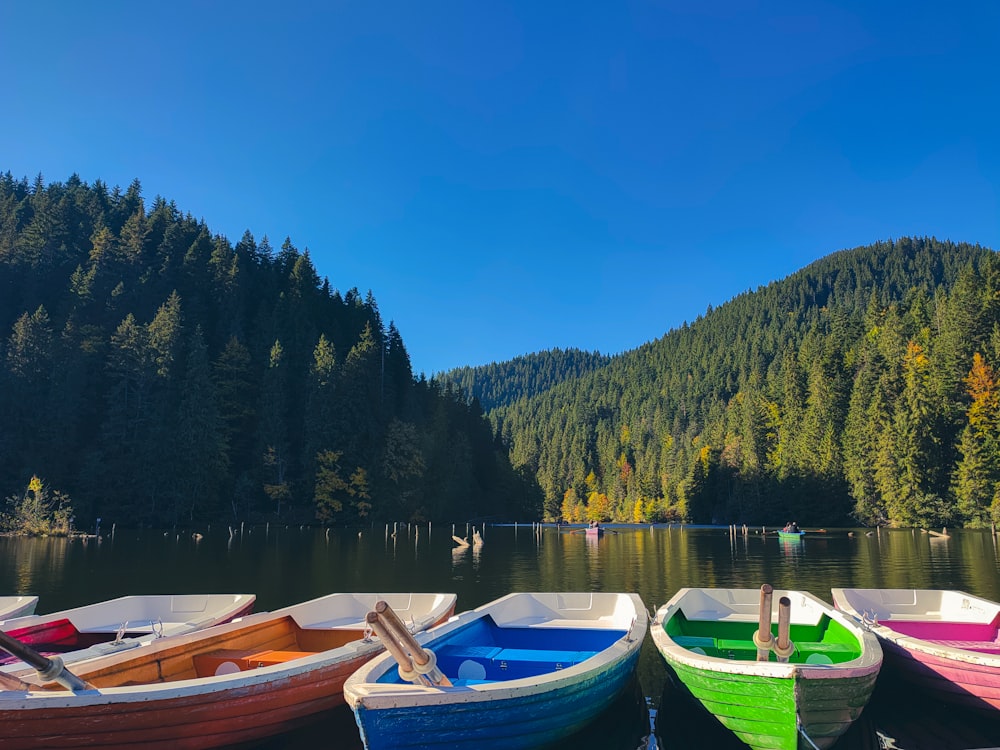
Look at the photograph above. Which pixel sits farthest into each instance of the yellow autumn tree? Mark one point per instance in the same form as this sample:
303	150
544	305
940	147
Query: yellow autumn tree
39	511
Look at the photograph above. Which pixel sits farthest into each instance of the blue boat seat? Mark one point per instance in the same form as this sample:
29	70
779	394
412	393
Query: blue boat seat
460	651
504	663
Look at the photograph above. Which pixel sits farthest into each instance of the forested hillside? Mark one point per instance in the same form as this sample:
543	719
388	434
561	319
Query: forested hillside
158	374
499	384
862	387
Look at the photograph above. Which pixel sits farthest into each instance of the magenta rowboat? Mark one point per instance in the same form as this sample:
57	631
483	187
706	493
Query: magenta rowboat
120	624
944	641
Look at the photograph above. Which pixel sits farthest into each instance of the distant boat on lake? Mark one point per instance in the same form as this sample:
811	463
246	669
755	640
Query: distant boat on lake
792	536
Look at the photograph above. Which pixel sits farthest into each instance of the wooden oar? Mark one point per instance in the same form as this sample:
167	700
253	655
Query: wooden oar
784	648
424	661
393	646
50	670
763	639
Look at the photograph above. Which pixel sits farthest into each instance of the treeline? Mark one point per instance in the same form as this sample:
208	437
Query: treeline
158	374
862	388
501	383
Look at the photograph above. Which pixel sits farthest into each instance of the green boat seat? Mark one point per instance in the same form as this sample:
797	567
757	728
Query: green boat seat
735	644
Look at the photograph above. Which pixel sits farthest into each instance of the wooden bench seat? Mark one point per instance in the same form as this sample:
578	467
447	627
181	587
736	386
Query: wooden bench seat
226	661
732	644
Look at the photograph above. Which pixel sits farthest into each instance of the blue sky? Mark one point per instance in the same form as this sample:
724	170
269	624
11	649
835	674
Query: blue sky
513	177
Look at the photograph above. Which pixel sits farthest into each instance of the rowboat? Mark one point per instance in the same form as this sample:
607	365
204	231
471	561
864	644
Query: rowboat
595	531
17	606
522	671
944	641
121	624
792	536
814	678
238	682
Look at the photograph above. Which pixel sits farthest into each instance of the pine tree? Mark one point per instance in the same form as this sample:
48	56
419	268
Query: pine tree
274	431
977	477
200	459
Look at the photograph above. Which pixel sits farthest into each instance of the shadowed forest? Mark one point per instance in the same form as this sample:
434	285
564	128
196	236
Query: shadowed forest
157	374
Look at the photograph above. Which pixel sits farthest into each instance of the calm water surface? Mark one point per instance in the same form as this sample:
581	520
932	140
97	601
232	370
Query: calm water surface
285	565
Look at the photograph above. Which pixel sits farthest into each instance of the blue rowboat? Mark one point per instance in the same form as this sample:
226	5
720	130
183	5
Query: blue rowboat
525	670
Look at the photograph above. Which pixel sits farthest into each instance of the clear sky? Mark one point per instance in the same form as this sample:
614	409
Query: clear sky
512	177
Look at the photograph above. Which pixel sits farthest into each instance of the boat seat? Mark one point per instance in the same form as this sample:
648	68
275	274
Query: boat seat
514	663
228	661
545	656
732	644
497	663
459	651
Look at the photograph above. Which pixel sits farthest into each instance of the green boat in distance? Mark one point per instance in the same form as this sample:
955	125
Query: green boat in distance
792	536
818	674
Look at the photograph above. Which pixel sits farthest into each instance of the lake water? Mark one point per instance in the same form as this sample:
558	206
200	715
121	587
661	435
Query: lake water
284	565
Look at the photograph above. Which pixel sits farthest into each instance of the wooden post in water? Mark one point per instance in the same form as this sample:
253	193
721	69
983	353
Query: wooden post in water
763	639
783	648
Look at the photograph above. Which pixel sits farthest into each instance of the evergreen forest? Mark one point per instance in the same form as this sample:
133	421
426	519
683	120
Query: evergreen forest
156	374
861	389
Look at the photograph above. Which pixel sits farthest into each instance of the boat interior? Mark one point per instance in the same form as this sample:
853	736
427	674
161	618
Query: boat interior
215	651
482	651
823	642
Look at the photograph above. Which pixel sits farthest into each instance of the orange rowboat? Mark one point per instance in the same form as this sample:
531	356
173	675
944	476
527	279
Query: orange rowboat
264	675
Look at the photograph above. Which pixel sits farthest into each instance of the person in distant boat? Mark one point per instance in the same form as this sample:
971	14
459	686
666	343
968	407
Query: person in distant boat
791	527
594	524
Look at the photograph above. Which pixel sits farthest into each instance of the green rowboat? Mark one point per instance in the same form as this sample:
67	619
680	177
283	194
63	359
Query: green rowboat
708	638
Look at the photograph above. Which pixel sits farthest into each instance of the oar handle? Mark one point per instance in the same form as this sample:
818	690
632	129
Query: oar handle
763	638
424	662
783	648
404	636
50	670
393	646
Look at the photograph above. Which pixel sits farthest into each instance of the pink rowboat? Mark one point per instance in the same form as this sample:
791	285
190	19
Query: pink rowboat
943	641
